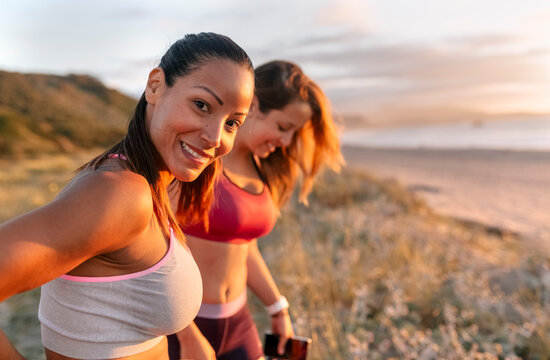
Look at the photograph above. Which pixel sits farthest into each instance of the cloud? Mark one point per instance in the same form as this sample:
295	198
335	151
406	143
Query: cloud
484	73
350	14
365	54
487	41
130	13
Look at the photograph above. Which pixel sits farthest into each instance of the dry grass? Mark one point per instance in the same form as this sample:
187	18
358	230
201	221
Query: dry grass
24	185
370	272
42	113
28	183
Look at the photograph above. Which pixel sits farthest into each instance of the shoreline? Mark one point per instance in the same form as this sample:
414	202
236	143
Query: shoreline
507	189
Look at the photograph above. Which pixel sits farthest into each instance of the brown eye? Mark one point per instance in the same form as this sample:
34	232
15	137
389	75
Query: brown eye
233	124
201	105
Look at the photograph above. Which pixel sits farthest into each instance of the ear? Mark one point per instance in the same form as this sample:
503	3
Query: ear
154	83
256	112
255	106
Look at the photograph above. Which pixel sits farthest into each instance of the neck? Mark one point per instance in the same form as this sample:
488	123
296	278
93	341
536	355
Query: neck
239	156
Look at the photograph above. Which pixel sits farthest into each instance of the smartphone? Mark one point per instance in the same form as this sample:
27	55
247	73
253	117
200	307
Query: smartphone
295	349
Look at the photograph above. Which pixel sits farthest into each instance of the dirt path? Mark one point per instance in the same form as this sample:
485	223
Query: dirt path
501	188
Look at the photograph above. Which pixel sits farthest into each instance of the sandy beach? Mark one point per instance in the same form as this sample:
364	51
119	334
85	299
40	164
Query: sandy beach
506	189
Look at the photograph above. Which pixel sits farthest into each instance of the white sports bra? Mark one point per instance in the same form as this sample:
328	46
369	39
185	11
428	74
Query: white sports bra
116	316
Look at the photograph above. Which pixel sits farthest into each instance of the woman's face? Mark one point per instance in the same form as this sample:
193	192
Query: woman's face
265	132
195	121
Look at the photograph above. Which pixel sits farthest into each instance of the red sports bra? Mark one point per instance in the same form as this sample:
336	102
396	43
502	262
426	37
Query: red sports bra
237	216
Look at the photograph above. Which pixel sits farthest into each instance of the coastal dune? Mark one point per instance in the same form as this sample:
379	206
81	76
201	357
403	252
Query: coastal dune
509	190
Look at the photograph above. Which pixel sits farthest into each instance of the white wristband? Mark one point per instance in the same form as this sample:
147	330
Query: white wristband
280	305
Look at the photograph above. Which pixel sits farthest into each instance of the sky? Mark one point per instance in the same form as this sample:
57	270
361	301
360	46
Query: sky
384	60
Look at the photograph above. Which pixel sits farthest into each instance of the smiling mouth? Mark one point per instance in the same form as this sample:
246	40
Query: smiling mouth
271	147
194	154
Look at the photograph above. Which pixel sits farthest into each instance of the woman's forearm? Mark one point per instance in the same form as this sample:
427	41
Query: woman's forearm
193	344
259	277
262	284
7	350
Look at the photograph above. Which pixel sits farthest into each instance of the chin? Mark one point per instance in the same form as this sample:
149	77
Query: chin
186	179
262	154
188	176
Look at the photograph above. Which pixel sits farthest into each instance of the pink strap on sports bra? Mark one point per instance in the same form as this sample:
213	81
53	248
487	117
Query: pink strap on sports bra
119	156
94	279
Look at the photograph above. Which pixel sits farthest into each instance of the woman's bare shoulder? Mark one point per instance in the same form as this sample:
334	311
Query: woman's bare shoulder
117	193
97	212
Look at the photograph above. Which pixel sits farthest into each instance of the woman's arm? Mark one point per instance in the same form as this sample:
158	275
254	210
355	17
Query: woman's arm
7	350
90	217
193	344
262	284
99	213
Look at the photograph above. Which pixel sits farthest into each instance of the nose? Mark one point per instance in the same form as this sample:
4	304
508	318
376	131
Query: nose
211	134
286	138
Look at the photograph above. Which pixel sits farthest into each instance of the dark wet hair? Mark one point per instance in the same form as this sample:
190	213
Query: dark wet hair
187	54
182	58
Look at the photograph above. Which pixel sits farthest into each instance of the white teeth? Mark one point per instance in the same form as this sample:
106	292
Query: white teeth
193	153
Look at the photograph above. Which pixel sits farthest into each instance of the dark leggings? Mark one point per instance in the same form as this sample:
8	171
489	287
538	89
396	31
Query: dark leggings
233	338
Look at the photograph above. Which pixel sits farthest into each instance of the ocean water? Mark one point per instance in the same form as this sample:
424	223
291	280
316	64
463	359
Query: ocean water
516	134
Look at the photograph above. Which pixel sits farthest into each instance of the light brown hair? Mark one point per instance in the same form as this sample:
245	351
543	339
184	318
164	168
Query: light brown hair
315	145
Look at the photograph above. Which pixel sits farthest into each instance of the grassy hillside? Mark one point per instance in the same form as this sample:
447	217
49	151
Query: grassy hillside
370	271
49	113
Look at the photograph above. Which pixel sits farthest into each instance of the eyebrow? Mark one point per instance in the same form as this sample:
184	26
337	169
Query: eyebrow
211	92
289	125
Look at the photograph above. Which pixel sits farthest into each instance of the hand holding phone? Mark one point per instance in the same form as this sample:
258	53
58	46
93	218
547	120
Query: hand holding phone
295	349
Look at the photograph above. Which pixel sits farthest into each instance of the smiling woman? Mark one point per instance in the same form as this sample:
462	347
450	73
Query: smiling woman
116	275
189	134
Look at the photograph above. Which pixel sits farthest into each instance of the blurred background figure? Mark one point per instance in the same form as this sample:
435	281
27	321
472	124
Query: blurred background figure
288	135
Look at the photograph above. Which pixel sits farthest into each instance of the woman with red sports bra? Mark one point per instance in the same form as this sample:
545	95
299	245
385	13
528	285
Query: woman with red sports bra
289	133
116	275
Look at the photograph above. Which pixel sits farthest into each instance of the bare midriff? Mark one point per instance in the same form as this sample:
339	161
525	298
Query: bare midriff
222	266
157	352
